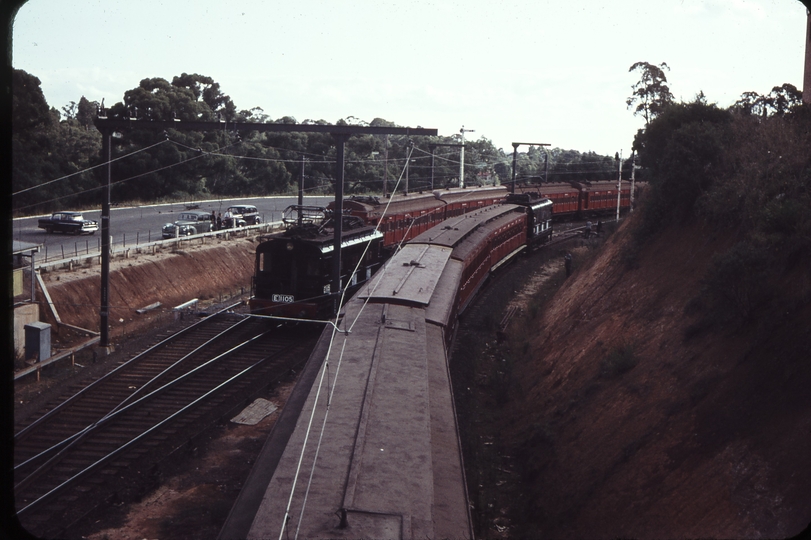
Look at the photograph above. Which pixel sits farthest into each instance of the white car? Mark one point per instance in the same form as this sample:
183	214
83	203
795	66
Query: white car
244	214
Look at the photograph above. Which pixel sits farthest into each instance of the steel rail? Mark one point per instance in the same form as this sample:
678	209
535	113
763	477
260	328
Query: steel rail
44	454
76	438
176	335
160	424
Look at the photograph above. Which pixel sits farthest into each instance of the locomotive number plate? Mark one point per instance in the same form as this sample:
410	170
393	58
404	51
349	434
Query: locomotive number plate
283	298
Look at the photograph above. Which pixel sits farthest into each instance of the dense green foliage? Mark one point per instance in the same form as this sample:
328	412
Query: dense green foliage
749	175
46	149
681	153
55	151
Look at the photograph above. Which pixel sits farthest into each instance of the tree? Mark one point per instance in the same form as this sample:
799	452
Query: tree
682	151
781	100
195	163
750	104
86	111
45	148
29	110
651	95
33	125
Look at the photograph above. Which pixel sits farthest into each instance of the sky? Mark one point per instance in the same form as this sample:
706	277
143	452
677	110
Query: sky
536	71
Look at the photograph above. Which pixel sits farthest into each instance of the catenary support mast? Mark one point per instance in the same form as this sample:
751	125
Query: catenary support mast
107	126
515	158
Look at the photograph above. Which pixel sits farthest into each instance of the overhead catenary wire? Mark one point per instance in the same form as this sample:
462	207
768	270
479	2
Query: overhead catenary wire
331	390
330	394
219	153
89	190
89	168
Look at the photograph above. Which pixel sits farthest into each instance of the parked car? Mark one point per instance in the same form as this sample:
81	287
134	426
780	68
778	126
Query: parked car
190	222
175	230
241	214
68	222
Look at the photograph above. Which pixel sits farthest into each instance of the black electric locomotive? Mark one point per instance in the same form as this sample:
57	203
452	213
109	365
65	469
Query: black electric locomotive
539	214
292	276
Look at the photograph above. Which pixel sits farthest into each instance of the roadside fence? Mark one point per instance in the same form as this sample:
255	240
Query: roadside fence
85	249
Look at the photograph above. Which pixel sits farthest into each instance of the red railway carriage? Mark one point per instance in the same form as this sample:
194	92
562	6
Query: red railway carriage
371	209
481	241
601	197
399	218
402	217
370	463
582	199
398	228
461	201
565	198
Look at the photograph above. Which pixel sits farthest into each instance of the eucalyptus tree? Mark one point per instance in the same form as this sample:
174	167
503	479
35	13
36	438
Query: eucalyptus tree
651	94
49	153
192	163
31	122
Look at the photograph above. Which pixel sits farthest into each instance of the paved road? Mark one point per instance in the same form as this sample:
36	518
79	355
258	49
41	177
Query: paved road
140	224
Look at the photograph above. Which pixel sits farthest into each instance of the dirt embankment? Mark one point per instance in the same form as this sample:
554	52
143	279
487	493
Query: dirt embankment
172	277
625	427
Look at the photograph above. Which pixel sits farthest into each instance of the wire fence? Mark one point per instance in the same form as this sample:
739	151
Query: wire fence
84	250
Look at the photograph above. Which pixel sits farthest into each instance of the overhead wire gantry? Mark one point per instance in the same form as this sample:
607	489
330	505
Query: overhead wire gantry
108	126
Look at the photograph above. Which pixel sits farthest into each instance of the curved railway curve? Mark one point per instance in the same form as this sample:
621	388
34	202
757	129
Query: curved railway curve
110	435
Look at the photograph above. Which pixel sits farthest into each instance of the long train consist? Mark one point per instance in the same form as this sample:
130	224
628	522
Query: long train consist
402	217
583	199
373	449
408	216
292	276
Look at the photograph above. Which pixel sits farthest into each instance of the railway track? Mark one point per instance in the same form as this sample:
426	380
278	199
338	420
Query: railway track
573	229
104	443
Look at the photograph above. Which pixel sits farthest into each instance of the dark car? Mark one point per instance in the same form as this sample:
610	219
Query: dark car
68	222
189	222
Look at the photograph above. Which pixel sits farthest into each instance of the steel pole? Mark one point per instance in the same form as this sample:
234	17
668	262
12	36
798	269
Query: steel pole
546	165
633	171
386	168
104	311
515	159
462	156
335	290
433	147
33	279
619	182
462	160
408	163
301	191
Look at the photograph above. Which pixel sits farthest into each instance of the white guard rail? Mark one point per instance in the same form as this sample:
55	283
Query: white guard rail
79	257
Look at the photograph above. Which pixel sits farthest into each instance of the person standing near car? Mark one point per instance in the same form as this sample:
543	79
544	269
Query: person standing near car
228	219
219	221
